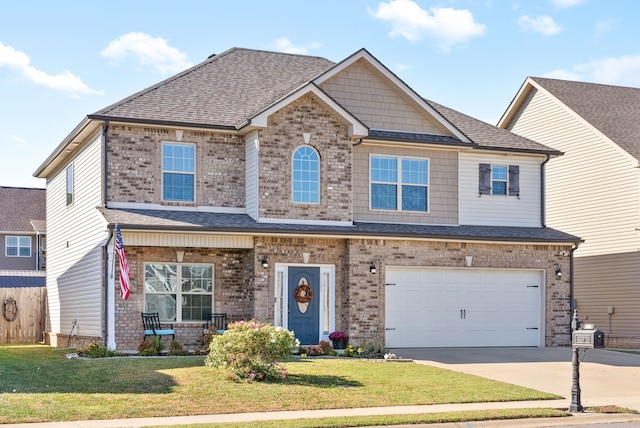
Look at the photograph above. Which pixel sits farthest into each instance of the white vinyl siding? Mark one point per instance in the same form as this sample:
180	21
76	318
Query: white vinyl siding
74	253
492	210
593	190
251	153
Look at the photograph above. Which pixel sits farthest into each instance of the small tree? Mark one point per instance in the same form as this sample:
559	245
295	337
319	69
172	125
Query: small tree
250	350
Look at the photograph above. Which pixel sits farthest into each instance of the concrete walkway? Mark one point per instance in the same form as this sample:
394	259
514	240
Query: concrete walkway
606	378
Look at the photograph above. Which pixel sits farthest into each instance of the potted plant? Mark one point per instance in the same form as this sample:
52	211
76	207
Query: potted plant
339	339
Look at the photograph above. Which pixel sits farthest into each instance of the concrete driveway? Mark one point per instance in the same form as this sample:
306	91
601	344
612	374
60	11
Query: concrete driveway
606	377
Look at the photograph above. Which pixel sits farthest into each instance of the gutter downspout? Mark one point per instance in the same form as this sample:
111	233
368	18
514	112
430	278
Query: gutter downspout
105	139
110	287
543	206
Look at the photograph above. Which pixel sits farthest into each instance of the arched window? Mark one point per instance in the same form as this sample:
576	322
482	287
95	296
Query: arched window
306	176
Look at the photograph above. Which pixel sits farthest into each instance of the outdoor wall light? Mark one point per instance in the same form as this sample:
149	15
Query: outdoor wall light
265	262
558	272
372	268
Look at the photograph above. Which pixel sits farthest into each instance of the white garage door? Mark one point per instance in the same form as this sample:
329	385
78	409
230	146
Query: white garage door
451	307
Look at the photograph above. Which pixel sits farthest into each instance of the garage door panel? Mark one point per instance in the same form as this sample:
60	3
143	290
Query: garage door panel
441	307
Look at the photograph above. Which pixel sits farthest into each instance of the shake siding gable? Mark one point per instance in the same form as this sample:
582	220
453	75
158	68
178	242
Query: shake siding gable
366	94
74	253
593	176
499	210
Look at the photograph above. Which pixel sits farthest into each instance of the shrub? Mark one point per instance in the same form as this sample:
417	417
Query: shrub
175	348
95	350
322	348
250	350
151	346
374	349
352	352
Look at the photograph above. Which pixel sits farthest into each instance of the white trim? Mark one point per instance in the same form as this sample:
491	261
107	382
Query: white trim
162	207
356	128
111	290
303	222
281	301
163	144
399	183
319	171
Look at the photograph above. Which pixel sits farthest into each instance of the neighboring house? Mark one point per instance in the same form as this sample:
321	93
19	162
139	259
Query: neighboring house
22	237
313	195
593	190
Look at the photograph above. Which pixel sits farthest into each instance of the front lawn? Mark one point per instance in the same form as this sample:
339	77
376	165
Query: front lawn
37	383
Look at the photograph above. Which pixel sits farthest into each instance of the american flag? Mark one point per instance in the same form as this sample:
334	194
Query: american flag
125	288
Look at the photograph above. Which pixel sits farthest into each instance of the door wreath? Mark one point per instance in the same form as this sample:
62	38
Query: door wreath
303	293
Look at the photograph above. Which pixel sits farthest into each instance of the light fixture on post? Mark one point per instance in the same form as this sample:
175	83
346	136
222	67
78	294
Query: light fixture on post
558	271
265	262
372	267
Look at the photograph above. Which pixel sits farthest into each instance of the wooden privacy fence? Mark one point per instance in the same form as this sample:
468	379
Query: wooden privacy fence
23	314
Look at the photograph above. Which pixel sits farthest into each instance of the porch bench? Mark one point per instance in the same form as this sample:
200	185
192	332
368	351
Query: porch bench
217	322
153	327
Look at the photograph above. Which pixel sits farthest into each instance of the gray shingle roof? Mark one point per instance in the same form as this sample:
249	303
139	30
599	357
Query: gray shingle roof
487	136
18	206
160	220
613	110
223	91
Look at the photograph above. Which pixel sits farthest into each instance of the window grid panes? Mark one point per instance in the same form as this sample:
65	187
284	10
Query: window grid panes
384	173
306	176
17	246
179	292
178	172
499	180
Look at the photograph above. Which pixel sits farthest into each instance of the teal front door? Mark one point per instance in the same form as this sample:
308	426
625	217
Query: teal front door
304	307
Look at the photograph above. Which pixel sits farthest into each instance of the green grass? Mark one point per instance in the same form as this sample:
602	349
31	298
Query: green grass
38	383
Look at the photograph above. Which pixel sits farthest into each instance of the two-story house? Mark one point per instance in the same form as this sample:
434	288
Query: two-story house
593	190
313	195
22	237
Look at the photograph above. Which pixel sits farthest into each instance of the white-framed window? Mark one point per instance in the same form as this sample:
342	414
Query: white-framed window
399	183
70	185
178	172
17	246
305	180
499	180
179	292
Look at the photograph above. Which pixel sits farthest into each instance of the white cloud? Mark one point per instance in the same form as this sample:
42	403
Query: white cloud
604	27
567	3
283	44
542	24
622	71
149	51
402	67
449	27
65	81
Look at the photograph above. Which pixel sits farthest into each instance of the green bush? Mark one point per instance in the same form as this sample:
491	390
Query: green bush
250	351
95	350
175	348
373	349
151	346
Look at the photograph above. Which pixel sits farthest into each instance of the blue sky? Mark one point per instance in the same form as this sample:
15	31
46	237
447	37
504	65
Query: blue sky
62	60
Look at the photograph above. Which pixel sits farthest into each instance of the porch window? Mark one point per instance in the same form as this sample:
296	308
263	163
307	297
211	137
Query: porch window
17	246
178	172
179	292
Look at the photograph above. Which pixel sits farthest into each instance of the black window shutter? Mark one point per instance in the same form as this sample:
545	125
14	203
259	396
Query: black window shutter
514	180
485	179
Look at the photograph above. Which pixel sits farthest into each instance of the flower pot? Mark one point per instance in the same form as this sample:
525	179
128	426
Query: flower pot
339	344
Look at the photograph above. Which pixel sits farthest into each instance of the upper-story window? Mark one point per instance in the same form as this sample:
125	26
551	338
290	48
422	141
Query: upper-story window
178	172
306	176
499	180
17	246
400	184
179	292
70	184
